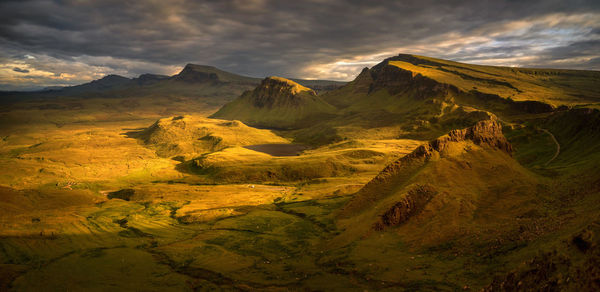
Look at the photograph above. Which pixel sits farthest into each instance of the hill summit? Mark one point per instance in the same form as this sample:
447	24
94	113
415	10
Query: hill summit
191	135
193	73
276	103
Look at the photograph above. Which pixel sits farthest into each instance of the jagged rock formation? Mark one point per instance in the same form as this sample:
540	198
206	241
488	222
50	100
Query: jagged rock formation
277	92
487	132
413	81
441	184
414	202
276	103
483	133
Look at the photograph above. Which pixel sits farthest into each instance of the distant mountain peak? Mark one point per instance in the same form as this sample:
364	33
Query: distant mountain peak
197	73
110	81
113	77
197	67
194	73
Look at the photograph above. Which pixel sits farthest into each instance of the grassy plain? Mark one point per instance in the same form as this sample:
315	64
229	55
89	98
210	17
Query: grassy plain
183	225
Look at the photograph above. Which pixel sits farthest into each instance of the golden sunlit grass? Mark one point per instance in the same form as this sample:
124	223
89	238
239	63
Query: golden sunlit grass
556	87
149	194
64	166
277	103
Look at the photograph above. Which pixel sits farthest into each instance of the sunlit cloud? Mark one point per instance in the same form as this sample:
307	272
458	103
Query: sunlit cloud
521	43
78	41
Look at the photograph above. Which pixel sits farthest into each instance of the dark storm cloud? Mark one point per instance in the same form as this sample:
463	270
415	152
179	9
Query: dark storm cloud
17	69
329	39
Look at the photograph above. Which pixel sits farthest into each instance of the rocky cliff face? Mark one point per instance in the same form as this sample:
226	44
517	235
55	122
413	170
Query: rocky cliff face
412	203
276	91
484	133
399	81
277	103
406	82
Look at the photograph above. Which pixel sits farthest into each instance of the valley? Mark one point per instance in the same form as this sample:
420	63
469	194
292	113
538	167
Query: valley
421	174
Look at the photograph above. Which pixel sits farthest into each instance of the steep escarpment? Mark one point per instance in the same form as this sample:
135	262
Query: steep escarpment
400	83
484	133
418	97
276	103
431	193
497	89
550	86
397	80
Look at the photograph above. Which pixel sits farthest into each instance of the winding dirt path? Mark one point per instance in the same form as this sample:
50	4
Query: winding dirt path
555	142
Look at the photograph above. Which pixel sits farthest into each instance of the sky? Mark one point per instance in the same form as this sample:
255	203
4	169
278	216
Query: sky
66	42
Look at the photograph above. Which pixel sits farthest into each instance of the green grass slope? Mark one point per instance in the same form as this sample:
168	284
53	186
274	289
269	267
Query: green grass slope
552	86
189	136
276	103
419	97
461	212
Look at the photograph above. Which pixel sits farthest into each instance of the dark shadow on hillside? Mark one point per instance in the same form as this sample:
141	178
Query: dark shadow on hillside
133	133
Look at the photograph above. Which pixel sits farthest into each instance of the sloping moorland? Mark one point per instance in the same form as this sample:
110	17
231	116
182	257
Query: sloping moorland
421	174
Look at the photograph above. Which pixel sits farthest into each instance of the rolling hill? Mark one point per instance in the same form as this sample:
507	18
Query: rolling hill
189	136
276	103
468	209
421	175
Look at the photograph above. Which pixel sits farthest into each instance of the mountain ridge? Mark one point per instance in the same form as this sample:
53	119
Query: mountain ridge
193	81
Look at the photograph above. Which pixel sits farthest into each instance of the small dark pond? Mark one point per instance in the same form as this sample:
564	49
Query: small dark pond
279	149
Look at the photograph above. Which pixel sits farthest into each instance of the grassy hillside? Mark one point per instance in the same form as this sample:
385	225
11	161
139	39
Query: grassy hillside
459	211
404	183
276	103
552	86
191	136
419	97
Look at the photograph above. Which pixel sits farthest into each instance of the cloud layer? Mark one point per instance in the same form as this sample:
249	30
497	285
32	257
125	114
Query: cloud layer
73	41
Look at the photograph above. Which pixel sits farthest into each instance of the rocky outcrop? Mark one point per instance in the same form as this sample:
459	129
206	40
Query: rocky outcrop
484	133
362	82
487	132
399	81
277	103
413	202
276	91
